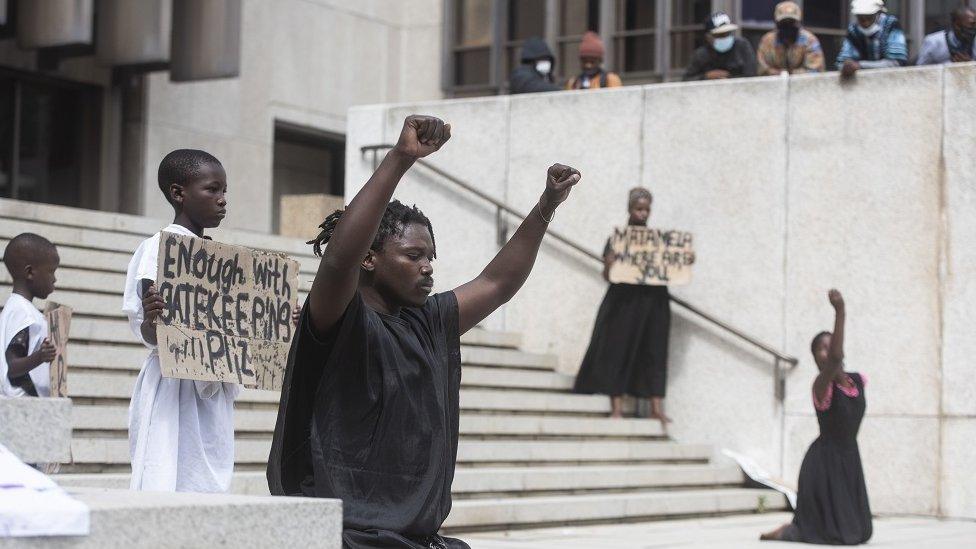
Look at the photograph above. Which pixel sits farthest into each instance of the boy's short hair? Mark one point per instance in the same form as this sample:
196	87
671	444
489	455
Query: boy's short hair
180	165
25	249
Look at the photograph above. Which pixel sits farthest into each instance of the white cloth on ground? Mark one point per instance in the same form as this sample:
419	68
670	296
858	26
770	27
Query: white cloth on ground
18	313
31	504
181	432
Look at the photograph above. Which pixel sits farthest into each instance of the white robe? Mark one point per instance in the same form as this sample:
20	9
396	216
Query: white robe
18	313
181	432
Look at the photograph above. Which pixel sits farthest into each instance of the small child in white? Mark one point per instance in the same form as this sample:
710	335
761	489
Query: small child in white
24	364
181	432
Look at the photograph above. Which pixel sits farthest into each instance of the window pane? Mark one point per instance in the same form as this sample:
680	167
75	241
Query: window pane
51	140
899	8
472	67
754	36
579	16
937	14
683	45
305	163
831	44
689	12
830	14
638	53
569	58
473	22
638	14
526	18
758	11
6	134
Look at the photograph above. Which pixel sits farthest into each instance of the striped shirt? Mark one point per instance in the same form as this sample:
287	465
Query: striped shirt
885	48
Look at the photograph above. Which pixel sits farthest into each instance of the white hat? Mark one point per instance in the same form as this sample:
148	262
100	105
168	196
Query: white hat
867	7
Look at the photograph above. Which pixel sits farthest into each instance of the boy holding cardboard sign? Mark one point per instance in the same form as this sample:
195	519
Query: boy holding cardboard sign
27	352
181	432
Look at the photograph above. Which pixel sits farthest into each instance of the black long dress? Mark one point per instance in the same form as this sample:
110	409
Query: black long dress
369	415
832	500
628	352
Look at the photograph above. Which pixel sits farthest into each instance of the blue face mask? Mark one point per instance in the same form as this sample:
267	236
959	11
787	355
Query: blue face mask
723	45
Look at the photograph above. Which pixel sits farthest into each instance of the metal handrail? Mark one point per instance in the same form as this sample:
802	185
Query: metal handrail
501	207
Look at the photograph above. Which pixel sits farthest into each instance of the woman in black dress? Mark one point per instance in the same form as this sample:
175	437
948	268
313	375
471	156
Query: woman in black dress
628	352
832	501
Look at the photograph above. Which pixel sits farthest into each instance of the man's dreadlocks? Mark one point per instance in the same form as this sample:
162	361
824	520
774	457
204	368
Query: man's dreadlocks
395	218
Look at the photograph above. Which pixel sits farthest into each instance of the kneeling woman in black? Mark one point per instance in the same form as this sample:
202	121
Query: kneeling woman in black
832	501
628	352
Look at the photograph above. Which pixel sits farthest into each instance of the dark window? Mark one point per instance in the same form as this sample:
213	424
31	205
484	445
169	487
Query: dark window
687	31
308	167
758	11
49	139
636	38
831	14
472	43
937	14
575	18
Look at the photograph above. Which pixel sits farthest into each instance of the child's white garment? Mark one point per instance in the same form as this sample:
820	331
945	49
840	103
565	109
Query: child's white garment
18	313
181	432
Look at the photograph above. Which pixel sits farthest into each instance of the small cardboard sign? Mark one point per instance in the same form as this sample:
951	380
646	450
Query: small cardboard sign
228	312
653	257
58	319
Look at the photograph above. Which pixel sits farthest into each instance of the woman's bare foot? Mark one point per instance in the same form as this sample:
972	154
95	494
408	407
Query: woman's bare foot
617	415
774	535
657	410
616	407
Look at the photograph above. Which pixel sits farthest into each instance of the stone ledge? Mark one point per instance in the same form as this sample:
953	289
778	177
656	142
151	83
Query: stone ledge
124	519
37	430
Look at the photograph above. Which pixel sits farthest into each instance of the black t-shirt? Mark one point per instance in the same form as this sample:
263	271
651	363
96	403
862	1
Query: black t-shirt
370	416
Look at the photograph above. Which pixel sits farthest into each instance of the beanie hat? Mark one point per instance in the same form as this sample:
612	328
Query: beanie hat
591	46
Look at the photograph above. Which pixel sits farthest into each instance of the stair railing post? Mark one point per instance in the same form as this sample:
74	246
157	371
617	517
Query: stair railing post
779	387
501	226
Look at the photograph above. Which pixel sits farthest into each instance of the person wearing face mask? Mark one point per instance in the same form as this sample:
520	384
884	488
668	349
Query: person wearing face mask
535	72
956	44
593	76
874	41
790	48
724	55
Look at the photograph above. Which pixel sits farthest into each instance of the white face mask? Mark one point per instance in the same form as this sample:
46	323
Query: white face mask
543	67
723	45
869	31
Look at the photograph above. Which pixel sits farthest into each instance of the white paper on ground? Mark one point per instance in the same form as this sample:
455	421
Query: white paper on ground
760	475
31	504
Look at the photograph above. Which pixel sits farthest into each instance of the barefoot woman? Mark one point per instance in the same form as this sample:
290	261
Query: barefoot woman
628	352
832	501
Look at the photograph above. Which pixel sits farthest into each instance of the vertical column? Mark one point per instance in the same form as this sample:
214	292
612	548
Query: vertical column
206	40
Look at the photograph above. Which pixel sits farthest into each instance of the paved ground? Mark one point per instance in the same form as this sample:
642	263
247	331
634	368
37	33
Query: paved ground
728	532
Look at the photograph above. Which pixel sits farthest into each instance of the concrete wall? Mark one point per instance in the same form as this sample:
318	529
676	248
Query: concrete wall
304	62
791	186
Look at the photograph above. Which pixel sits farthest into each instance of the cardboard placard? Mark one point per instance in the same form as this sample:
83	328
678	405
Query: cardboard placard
228	312
653	257
58	319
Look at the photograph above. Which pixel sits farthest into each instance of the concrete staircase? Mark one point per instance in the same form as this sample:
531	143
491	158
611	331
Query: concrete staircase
531	452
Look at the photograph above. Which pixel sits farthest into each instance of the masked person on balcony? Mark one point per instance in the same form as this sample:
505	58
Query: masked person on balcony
593	76
874	41
831	499
370	401
535	72
957	44
628	351
790	48
724	55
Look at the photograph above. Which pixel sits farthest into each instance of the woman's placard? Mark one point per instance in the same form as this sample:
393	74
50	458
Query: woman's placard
58	319
655	257
228	312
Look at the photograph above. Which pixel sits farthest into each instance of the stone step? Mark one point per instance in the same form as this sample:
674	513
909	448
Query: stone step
64	216
36	430
472	481
121	519
115	418
119	385
254	451
483	514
